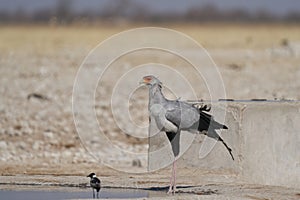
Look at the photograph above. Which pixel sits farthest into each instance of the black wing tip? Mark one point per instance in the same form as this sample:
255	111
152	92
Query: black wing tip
225	127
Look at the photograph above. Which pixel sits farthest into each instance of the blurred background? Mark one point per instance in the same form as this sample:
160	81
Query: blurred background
114	11
255	44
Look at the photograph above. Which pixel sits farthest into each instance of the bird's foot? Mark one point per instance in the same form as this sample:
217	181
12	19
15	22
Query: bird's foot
171	190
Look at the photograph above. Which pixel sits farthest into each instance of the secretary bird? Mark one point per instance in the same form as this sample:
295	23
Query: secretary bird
174	116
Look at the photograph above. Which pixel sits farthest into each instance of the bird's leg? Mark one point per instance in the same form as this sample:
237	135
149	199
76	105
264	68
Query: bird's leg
171	183
97	195
93	194
174	176
171	180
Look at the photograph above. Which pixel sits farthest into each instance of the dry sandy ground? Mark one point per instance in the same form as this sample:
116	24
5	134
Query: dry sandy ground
207	186
38	136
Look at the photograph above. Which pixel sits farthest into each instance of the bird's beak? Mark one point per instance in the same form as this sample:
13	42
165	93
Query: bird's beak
143	82
146	80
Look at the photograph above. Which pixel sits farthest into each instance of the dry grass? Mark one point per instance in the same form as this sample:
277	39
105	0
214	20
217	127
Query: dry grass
242	36
45	39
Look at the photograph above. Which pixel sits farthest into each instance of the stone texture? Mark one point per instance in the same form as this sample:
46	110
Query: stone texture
264	137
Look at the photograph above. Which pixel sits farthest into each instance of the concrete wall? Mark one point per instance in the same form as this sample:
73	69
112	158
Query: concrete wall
264	137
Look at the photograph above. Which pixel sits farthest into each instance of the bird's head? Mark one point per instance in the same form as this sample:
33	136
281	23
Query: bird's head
91	175
150	80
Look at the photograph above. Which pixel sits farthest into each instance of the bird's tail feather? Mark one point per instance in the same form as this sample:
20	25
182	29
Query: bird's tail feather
213	134
209	125
228	148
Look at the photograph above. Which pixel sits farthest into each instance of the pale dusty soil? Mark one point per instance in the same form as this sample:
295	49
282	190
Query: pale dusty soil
187	188
38	137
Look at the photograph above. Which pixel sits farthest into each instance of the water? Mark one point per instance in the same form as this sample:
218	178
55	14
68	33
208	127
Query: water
50	195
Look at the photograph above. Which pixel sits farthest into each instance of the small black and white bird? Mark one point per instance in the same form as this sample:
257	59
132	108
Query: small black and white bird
95	184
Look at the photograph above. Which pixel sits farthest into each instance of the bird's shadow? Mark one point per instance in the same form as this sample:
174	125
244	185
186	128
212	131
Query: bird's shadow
198	191
163	188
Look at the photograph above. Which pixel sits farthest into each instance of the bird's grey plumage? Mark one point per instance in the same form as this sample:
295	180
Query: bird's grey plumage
173	116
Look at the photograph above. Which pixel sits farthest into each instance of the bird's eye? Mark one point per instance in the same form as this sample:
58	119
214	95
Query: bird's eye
147	78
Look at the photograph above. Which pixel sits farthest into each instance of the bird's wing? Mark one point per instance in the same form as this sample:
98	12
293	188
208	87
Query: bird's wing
208	122
184	115
158	112
95	181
